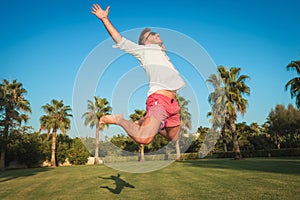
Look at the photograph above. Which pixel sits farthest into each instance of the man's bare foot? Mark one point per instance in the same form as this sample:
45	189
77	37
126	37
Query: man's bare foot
111	119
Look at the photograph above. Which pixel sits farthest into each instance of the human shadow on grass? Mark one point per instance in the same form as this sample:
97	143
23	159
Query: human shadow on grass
11	174
279	165
120	184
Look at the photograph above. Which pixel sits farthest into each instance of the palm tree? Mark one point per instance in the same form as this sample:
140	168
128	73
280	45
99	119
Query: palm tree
185	122
255	129
135	117
57	117
217	99
13	109
96	110
235	88
295	82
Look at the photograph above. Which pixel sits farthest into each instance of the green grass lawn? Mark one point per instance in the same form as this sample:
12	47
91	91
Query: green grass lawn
201	179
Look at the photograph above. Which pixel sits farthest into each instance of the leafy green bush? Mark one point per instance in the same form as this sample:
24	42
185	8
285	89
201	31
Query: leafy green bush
25	149
32	149
77	153
247	154
262	153
189	156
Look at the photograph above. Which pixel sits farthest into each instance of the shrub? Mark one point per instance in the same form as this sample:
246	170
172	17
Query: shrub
26	149
78	154
262	153
189	156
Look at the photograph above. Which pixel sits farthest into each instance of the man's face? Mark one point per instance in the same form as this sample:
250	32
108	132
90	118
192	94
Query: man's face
152	38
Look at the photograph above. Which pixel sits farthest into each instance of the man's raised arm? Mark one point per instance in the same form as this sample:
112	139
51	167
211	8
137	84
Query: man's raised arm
103	16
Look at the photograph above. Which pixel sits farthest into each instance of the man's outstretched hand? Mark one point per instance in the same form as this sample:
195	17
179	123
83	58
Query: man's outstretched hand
98	12
103	16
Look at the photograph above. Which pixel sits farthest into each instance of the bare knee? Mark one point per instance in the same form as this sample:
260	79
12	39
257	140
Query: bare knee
144	141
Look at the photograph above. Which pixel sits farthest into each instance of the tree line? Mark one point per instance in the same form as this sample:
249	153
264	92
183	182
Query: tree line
227	100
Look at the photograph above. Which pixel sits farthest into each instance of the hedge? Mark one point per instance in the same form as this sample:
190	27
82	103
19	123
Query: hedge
261	153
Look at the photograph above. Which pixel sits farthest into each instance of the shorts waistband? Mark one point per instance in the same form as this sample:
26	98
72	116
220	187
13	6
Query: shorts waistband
162	96
168	93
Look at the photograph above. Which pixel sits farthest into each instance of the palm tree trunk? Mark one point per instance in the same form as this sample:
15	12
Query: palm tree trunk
277	141
53	149
2	161
236	148
178	154
224	139
142	154
4	141
48	134
96	161
166	152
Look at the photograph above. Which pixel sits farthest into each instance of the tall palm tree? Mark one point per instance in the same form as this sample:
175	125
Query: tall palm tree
217	99
135	117
235	88
185	122
295	82
13	111
57	117
96	110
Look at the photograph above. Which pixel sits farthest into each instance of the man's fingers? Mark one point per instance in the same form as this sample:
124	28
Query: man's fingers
107	8
94	10
97	6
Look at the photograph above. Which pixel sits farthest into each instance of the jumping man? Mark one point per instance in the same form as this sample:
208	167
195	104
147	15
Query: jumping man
162	108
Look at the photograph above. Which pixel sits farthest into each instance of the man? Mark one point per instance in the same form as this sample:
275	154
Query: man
161	105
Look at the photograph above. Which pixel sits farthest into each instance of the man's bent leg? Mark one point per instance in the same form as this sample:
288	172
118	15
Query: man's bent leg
172	133
144	133
145	130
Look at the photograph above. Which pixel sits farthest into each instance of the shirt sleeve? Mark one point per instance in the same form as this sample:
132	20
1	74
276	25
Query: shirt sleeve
130	47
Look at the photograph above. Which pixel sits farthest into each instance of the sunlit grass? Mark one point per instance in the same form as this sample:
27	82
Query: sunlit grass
202	179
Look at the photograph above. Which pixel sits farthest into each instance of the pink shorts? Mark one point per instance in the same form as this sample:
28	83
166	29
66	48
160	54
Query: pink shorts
164	109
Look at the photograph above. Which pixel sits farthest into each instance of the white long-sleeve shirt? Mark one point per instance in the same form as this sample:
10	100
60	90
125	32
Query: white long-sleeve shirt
161	73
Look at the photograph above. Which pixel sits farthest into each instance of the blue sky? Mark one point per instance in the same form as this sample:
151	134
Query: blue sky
44	43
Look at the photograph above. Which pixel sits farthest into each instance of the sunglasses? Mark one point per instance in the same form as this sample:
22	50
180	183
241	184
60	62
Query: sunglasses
151	33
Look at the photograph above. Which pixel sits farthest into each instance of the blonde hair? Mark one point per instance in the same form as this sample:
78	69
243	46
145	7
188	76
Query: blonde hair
141	38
